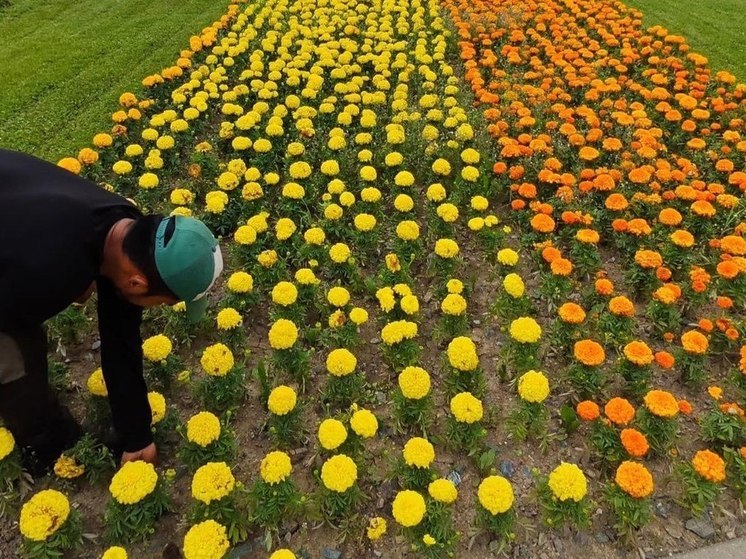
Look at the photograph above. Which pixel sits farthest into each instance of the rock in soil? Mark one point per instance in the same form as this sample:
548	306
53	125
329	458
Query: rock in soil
701	526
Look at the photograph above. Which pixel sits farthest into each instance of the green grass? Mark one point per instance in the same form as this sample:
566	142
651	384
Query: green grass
65	63
713	28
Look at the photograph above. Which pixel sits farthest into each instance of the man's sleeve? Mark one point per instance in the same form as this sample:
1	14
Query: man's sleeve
121	361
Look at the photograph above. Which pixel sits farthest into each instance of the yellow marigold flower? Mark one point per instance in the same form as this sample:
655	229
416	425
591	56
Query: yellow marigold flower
102	140
398	331
428	540
282	554
709	465
470	156
368	173
148	181
338	296
314	236
43	514
228	319
364	423
115	552
240	282
275	467
305	276
339	473
436	192
181	197
414	383
446	248
212	482
410	304
495	494
332	434
525	330
217	360
441	167
376	528
341	362
157	348
67	468
282	400
533	386
70	164
339	253
408	508
514	286
133	482
404	178
418	453
284	293
447	212
507	257
568	482
408	230
245	235
284	228
462	354
466	408
157	407
7	443
206	540
443	490
455	286
283	334
267	258
122	167
386	299
96	384
203	428
454	305
359	316
403	203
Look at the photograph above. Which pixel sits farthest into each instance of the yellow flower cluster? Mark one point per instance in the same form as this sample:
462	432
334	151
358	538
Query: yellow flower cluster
568	482
212	482
217	360
228	319
43	514
453	304
340	253
398	331
157	348
341	362
446	248
133	482
96	384
275	467
332	434
514	286
507	257
533	386
525	330
283	334
364	423
339	473
157	407
206	540
338	296
240	282
414	383
67	468
443	490
462	354
284	294
203	428
495	494
466	408
282	400
7	443
418	453
408	508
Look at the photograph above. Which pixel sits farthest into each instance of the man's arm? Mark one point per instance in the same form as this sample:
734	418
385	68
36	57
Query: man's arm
121	361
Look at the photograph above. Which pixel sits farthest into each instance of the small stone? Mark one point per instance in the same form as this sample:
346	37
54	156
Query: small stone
242	551
662	509
375	341
454	477
674	531
601	537
494	546
476	322
377	553
700	526
331	554
95	345
558	545
730	534
507	468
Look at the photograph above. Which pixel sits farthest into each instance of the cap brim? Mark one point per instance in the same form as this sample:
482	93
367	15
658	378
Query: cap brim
195	310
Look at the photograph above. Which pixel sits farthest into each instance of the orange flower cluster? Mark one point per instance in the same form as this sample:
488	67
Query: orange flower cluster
709	465
634	479
589	353
662	403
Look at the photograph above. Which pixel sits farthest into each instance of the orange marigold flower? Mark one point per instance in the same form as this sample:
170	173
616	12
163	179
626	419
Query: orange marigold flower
685	407
724	302
682	238
604	287
639	353
733	244
572	313
648	259
589	236
661	403
588	410
703	208
616	202
634	479
561	267
542	223
639	227
634	442
550	254
664	359
705	324
694	342
589	353
619	411
709	465
670	216
621	306
728	269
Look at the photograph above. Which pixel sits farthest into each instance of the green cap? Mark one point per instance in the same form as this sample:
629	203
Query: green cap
188	258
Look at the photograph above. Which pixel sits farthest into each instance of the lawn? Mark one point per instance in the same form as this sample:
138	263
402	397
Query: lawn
65	63
714	28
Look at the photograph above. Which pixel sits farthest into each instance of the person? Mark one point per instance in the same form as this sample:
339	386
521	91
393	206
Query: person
61	238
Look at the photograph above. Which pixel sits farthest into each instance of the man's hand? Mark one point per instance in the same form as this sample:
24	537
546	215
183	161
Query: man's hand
148	454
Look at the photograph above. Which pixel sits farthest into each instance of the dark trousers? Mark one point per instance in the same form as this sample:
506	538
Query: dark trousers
30	410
